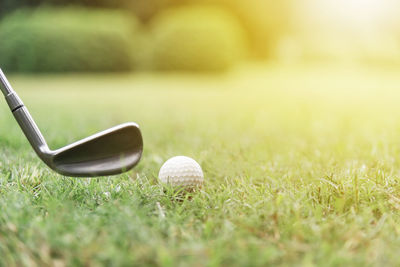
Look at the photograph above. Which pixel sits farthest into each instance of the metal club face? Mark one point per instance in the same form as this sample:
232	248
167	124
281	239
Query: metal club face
106	153
109	152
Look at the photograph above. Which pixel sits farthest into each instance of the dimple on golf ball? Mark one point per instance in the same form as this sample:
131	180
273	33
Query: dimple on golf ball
181	171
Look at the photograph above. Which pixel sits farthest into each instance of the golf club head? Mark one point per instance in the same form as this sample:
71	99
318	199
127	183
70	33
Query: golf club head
112	151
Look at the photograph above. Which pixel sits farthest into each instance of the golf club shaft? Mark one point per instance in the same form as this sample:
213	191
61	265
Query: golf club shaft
13	101
23	117
6	88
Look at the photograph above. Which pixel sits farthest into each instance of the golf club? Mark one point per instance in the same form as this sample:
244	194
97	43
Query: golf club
109	152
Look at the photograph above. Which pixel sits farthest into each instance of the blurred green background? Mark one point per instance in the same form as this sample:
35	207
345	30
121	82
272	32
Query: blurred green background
290	107
193	35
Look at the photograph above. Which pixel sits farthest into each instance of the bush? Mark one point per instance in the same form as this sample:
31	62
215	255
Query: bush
143	9
196	39
73	39
266	21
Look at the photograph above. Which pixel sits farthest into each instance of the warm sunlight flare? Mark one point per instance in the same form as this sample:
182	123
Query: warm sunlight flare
358	11
348	30
355	13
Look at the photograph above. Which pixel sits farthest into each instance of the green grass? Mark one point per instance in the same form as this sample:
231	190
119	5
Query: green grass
302	167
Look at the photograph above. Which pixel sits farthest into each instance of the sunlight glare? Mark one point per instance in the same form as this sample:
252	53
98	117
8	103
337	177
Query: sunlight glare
352	13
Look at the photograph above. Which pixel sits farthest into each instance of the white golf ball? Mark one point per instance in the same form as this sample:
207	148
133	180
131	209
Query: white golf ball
181	171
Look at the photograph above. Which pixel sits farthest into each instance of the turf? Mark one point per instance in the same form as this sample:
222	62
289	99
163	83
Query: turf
301	168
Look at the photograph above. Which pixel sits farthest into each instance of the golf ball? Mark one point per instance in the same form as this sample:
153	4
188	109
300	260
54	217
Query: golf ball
181	171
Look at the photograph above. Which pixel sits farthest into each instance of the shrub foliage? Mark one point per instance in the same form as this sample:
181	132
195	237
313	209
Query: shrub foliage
196	39
72	39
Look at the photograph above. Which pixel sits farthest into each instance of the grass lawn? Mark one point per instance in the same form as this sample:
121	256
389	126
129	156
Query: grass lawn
302	167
